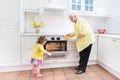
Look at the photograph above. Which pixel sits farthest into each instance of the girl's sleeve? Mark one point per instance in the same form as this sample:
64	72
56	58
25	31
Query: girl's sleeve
43	50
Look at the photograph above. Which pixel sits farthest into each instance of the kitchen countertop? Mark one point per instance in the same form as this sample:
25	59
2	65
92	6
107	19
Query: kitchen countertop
117	36
43	34
54	34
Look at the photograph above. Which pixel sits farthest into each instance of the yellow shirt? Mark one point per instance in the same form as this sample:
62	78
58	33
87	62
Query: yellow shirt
38	52
82	27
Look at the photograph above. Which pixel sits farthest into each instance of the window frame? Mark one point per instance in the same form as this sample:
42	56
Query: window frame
83	5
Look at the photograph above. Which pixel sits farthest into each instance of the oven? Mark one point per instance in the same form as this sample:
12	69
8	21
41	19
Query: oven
57	46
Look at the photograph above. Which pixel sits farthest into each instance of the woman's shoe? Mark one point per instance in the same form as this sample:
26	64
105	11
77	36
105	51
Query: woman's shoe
76	68
79	72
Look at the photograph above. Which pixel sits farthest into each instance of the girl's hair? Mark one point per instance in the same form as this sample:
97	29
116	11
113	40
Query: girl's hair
41	39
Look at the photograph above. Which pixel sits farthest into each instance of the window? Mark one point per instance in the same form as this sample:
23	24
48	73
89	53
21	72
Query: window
76	5
82	5
89	5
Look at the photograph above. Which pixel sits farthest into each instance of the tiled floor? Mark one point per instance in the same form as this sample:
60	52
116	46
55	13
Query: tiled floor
93	72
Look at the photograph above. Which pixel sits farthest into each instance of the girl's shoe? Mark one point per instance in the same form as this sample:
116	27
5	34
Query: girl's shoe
39	75
34	72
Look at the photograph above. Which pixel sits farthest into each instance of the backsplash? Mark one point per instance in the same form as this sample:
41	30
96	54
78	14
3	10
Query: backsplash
60	23
113	24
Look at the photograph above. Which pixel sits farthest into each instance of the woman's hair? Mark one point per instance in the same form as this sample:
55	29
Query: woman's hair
41	39
73	15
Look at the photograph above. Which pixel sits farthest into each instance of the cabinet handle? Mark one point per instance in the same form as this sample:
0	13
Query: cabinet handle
103	38
115	40
37	8
55	61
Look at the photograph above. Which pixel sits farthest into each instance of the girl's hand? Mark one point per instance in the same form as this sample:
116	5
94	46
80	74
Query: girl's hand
49	54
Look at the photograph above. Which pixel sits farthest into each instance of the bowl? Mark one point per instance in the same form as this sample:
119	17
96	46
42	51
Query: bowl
101	31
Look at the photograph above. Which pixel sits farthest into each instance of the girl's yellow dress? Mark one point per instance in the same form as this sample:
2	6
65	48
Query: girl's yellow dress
38	53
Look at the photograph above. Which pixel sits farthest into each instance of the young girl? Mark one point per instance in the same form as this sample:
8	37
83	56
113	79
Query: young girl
37	55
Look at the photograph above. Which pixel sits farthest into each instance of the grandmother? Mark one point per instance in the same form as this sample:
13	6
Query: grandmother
84	37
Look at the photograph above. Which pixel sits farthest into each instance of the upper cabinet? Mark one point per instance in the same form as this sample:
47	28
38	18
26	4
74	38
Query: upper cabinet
9	13
81	5
36	8
31	5
88	8
58	5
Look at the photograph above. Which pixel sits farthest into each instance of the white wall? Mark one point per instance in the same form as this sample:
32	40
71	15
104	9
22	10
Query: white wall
9	33
9	46
58	22
8	12
101	6
113	24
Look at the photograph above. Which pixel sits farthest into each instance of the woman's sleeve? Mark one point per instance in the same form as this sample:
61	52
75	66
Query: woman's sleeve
43	50
83	27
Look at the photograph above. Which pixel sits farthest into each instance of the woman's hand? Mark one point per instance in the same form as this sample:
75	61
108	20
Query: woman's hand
69	36
81	35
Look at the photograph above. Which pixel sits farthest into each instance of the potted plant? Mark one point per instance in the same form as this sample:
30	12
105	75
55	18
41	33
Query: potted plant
36	25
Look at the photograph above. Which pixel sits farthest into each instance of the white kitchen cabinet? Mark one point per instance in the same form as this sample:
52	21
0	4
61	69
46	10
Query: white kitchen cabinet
75	55
31	5
27	48
9	47
105	49
56	5
82	5
93	54
90	8
27	44
9	13
108	52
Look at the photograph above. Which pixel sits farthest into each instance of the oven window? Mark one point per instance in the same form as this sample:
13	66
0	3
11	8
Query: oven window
52	46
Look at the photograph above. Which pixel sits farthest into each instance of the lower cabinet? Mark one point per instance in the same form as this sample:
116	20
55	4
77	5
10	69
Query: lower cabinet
93	54
27	44
27	48
73	54
9	45
109	52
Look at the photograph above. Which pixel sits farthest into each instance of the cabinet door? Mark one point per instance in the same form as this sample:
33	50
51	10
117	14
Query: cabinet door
75	55
115	56
108	52
104	49
108	49
9	47
81	5
31	4
71	46
27	48
93	54
9	13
